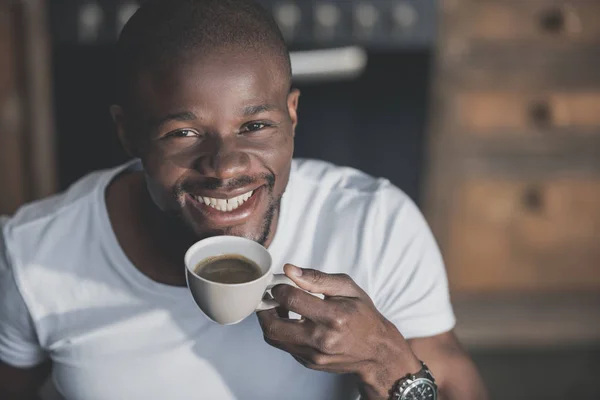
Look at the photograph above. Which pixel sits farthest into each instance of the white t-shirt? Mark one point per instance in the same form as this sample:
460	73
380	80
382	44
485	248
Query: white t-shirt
68	292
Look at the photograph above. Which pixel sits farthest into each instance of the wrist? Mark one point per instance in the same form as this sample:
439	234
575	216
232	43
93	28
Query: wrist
379	378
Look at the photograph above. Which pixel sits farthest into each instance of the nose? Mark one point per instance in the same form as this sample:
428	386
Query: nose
223	162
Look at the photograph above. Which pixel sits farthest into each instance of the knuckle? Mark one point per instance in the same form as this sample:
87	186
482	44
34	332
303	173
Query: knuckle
329	344
326	342
318	359
344	277
339	321
317	277
285	296
290	301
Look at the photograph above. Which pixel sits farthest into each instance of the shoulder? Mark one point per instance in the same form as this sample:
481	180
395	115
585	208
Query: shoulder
348	190
39	226
41	211
335	179
342	202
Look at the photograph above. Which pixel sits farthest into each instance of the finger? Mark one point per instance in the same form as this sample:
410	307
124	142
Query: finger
300	302
312	359
319	282
321	362
283	330
282	313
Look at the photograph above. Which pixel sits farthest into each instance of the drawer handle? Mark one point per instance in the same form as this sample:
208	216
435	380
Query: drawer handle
533	200
540	114
553	21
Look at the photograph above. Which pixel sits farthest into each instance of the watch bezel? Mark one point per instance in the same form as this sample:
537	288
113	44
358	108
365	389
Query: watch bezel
416	382
404	385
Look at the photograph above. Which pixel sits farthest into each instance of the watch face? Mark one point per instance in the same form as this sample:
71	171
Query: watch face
420	389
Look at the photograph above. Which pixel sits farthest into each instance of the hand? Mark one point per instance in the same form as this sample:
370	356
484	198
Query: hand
342	333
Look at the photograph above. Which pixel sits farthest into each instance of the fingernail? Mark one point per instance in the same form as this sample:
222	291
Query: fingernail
295	270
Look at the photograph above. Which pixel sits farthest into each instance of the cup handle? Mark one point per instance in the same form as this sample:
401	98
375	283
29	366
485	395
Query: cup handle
278	279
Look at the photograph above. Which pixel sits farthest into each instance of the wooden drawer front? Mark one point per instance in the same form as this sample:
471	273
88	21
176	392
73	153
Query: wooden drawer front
501	113
544	22
488	67
525	235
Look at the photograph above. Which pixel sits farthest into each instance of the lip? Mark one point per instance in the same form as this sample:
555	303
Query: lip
215	218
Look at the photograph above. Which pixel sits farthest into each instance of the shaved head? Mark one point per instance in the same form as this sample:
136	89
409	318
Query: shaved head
163	33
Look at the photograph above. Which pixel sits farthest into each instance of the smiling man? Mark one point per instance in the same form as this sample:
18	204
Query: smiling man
92	281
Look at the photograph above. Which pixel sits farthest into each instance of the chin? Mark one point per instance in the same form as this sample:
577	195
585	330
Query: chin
256	233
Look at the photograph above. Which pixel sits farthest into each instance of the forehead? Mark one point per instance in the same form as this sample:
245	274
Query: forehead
217	83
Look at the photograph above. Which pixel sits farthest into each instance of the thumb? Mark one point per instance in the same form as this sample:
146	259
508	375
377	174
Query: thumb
319	282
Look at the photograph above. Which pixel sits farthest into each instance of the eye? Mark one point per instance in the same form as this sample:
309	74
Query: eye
182	133
255	127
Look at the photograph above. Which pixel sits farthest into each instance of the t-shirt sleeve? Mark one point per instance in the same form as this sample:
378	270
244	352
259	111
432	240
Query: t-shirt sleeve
410	286
19	346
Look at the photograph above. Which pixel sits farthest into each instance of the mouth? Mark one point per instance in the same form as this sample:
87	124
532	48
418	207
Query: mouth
218	210
225	205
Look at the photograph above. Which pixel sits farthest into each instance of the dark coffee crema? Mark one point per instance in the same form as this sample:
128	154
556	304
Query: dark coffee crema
228	268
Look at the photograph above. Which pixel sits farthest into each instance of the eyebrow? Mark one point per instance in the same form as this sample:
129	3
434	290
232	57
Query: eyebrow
178	116
253	110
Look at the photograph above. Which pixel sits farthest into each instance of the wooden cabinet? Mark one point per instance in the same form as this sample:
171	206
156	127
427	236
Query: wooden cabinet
514	164
512	233
27	159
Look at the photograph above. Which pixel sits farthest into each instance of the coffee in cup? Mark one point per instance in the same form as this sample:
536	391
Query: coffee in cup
228	268
228	277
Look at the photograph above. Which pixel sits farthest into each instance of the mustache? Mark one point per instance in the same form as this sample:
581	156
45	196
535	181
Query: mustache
195	185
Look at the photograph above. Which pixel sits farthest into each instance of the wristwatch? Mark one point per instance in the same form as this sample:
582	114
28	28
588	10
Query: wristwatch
419	386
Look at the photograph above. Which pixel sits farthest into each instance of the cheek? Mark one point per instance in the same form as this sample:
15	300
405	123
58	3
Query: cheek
280	150
280	163
161	179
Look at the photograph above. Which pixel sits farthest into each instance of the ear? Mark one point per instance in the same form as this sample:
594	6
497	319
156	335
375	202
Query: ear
292	103
118	117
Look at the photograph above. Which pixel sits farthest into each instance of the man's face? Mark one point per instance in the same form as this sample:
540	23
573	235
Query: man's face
215	135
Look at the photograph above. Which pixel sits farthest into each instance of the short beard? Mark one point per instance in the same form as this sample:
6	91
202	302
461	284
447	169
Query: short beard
274	207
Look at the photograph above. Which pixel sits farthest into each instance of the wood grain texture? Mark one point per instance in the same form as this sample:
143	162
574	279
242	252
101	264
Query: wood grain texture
524	113
522	234
542	23
513	184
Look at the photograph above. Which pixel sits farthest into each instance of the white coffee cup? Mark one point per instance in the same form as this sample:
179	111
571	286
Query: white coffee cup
230	303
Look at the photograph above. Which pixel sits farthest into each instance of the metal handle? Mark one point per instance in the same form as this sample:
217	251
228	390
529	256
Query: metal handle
540	113
533	199
553	21
329	64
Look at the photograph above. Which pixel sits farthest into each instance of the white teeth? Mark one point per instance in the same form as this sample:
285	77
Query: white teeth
233	204
226	205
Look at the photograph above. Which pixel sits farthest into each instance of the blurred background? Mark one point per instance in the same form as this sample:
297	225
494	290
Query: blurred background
486	112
